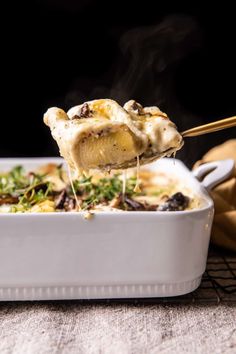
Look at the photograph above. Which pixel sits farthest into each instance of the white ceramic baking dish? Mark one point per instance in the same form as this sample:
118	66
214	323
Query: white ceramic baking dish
114	255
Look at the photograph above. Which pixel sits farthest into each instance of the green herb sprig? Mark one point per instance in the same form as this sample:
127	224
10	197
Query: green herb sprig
103	190
30	188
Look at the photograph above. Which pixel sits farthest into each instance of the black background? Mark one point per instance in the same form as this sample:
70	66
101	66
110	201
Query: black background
61	53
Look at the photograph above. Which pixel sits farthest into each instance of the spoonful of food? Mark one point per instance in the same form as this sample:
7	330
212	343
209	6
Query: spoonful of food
100	134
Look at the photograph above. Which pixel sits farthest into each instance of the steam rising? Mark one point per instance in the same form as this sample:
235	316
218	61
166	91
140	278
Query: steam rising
145	69
149	55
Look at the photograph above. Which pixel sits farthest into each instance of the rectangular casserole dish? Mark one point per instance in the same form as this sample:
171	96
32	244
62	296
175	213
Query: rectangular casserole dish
114	255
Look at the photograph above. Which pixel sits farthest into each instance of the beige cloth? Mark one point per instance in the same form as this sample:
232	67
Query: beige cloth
68	328
224	196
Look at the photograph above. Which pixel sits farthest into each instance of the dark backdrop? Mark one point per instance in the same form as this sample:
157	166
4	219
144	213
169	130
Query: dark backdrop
61	53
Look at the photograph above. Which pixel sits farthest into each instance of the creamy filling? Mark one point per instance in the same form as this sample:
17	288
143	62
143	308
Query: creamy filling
113	147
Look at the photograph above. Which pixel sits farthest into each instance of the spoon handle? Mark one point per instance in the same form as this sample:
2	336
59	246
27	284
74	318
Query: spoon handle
210	127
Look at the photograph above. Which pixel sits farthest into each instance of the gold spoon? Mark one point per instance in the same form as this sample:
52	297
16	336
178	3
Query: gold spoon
210	127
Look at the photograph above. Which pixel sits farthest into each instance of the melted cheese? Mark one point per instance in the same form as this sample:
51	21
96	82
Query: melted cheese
124	177
137	187
73	189
101	134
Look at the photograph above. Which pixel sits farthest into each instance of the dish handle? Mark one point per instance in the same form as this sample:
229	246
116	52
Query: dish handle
212	173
